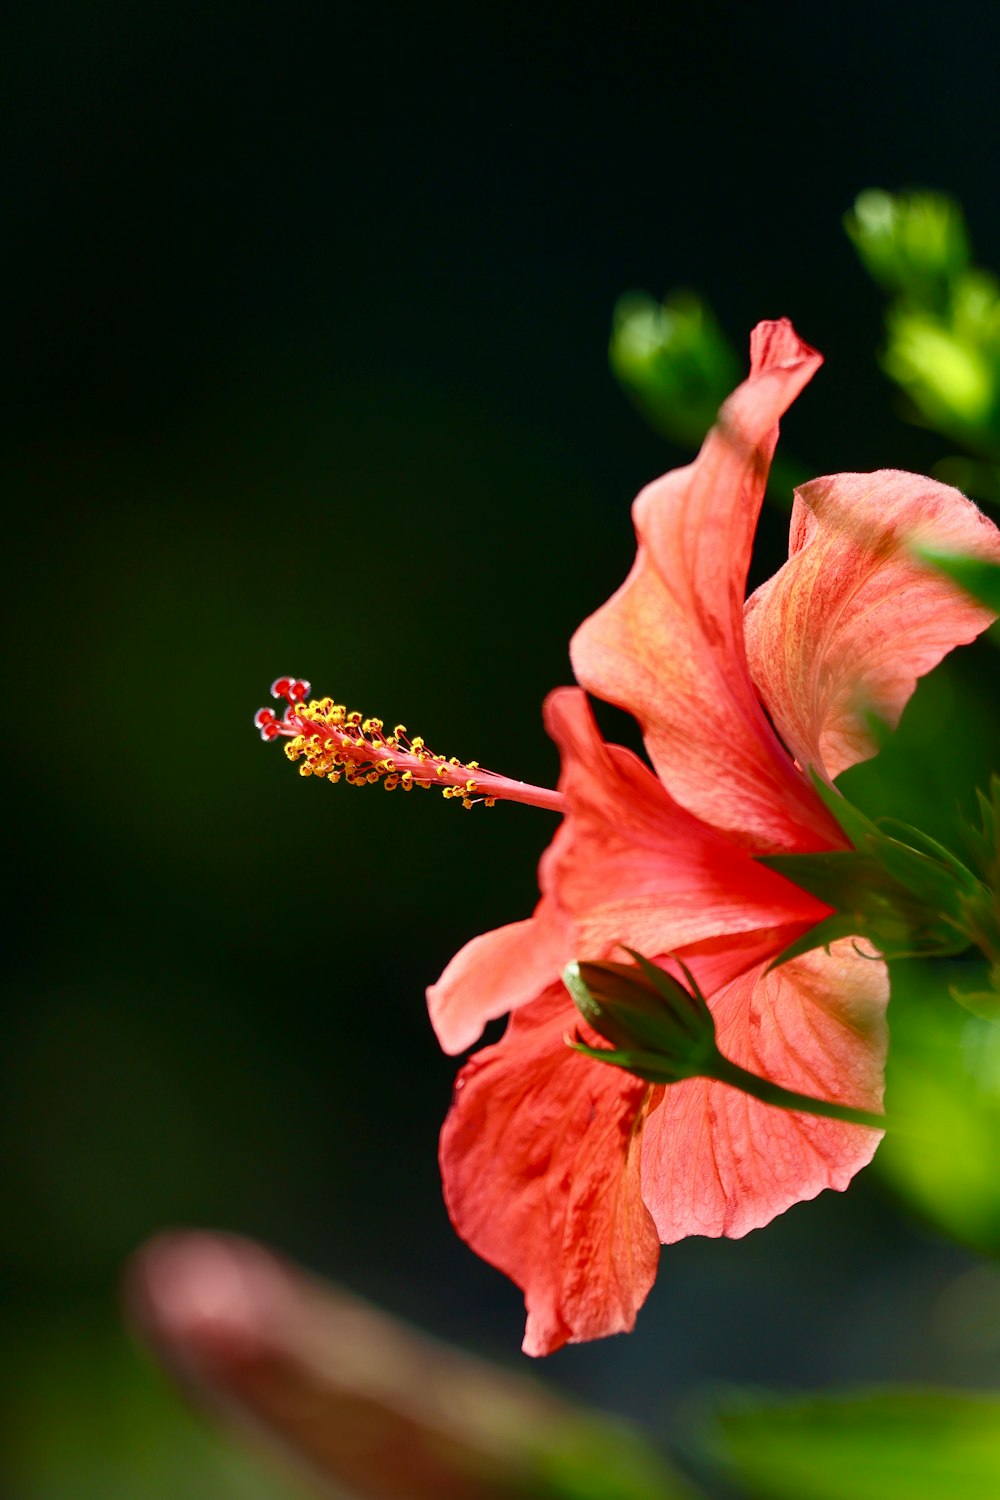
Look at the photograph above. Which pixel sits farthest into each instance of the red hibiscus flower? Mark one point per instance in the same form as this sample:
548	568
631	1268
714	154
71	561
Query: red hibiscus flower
565	1173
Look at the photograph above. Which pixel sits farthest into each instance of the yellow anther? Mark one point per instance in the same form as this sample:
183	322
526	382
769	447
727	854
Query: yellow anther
336	743
490	802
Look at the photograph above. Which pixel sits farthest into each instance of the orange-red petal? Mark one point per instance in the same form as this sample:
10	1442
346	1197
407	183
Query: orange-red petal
629	865
497	972
717	1162
668	646
540	1161
852	620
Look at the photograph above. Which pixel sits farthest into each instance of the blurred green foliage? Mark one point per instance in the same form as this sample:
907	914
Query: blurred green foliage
308	377
84	1415
867	1445
942	322
674	360
978	577
943	1094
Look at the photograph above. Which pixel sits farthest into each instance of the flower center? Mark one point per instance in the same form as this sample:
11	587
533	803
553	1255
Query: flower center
333	742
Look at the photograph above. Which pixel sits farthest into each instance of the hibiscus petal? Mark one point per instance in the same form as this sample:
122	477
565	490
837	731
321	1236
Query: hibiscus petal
497	972
540	1163
717	1162
668	646
852	620
631	866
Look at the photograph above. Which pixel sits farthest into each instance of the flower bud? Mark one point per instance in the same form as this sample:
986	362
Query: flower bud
657	1028
663	1032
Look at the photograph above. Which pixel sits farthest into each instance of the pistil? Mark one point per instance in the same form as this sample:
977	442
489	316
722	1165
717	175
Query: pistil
335	743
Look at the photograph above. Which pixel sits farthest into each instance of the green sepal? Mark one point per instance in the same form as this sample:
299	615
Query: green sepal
894	898
821	935
982	1003
855	824
907	896
651	1066
984	842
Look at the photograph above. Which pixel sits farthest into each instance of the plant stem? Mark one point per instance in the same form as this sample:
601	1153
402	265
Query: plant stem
767	1092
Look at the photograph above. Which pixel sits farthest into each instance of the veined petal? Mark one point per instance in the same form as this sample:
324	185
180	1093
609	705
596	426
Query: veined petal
497	972
540	1163
717	1162
629	865
668	646
852	620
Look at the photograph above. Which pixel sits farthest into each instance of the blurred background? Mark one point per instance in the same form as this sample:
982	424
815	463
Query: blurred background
306	371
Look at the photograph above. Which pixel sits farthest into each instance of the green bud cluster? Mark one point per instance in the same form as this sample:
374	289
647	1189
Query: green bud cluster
943	320
673	360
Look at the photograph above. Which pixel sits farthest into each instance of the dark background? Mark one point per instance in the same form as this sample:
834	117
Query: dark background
306	324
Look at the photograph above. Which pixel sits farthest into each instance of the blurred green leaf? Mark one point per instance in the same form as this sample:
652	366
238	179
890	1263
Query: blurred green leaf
871	1445
976	575
85	1416
596	1458
943	1088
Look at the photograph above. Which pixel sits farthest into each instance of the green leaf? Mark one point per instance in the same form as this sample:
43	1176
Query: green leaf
975	575
891	1444
943	1088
